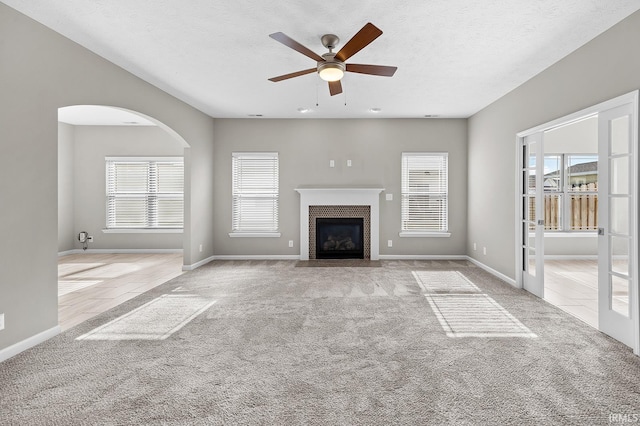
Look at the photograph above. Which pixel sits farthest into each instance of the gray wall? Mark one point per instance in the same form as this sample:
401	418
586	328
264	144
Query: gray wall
92	145
66	154
374	146
604	68
42	71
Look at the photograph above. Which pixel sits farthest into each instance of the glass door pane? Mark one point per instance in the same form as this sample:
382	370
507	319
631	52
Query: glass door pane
616	214
533	213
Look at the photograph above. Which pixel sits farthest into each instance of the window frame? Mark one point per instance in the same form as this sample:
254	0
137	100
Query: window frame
151	196
444	230
564	192
270	232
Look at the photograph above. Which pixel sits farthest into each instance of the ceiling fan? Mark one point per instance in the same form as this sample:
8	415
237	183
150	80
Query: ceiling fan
331	66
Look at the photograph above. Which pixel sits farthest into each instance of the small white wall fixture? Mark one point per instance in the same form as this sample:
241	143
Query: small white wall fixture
340	196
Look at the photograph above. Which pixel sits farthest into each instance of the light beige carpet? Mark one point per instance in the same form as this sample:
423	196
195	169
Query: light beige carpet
286	345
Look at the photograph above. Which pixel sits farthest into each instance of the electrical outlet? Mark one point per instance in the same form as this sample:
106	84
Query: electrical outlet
474	246
1	321
332	163
389	243
90	239
200	248
484	250
389	197
348	163
290	243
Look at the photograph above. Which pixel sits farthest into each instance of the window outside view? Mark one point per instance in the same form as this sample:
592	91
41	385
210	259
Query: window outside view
570	192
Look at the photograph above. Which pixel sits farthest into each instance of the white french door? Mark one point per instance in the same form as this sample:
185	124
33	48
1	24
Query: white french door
618	292
532	222
617	234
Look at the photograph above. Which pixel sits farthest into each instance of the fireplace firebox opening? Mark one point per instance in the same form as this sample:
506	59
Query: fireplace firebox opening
339	238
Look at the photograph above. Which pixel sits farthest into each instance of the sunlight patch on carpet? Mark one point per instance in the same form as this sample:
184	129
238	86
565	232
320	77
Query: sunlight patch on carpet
444	282
155	320
475	315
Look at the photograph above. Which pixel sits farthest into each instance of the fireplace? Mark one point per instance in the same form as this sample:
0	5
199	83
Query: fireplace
339	238
340	202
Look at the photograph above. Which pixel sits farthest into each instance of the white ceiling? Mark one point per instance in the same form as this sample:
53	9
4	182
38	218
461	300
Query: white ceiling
454	57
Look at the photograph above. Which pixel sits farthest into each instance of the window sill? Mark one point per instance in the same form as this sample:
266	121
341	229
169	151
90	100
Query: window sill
143	231
584	234
424	234
254	234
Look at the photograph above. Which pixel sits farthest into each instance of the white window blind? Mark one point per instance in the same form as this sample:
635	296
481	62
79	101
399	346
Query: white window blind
424	192
255	191
145	193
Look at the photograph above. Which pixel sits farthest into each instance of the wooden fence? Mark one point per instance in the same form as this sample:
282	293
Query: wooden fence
582	209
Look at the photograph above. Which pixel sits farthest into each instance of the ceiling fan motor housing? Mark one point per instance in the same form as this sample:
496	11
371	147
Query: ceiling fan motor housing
330	62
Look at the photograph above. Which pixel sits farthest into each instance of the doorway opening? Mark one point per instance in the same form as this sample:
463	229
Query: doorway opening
578	215
570	214
120	208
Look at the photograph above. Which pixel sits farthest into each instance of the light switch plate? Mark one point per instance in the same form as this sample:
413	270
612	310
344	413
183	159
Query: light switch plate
389	243
348	163
332	163
290	243
389	197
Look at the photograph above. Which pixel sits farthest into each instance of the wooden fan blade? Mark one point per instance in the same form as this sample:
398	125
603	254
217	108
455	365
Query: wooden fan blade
366	35
382	70
289	42
293	74
335	87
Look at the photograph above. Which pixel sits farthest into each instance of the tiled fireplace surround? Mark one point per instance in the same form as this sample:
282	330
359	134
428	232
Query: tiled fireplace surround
363	212
339	202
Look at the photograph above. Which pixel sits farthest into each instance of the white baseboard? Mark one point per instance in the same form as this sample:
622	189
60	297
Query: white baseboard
492	271
422	257
119	251
198	264
30	342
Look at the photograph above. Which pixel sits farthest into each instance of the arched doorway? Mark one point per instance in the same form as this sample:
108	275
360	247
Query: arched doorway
116	240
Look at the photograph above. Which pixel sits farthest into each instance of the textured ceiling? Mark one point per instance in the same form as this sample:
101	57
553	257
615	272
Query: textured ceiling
454	57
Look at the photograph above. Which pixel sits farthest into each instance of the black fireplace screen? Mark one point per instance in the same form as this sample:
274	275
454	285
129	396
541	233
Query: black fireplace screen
339	238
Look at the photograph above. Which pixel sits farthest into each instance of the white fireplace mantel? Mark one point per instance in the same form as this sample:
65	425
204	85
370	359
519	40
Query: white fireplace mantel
340	196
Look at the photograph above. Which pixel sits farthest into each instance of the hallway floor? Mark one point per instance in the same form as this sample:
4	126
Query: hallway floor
89	284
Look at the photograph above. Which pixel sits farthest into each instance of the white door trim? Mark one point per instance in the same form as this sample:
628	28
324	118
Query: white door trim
631	97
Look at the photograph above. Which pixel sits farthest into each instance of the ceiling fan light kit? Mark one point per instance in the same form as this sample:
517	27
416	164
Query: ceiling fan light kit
331	71
331	66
